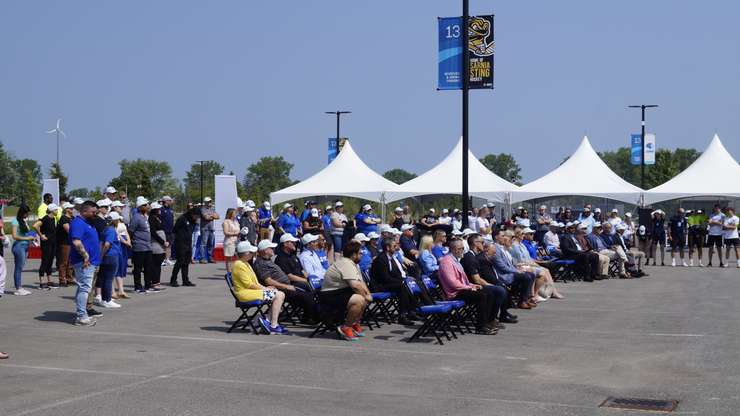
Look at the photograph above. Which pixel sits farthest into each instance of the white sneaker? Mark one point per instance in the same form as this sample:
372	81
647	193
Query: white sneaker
539	298
85	321
691	263
98	301
110	305
684	264
726	265
21	292
673	263
164	263
701	264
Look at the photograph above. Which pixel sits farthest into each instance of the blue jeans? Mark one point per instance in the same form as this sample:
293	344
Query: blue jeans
108	269
207	242
20	253
337	240
84	277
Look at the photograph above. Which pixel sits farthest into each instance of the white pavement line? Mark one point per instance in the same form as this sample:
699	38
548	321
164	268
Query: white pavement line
137	383
72	370
616	333
678	335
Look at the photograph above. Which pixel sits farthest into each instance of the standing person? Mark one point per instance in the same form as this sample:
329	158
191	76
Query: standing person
313	224
3	244
543	220
231	235
643	242
716	222
63	247
141	245
677	229
338	222
265	221
658	237
125	248
183	231
22	237
46	229
249	226
288	222
159	244
110	256
168	221
482	224
697	222
44	206
326	221
125	209
207	230
366	220
85	257
731	238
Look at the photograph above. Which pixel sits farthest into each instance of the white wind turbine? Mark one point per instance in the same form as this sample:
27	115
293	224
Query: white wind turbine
58	130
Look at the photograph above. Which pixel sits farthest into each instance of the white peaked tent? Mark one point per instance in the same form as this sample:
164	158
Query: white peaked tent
584	173
446	178
714	173
347	175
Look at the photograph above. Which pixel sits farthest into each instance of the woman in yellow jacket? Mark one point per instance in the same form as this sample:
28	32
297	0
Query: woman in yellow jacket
248	289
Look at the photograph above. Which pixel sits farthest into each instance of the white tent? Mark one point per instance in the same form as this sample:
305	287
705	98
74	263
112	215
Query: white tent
347	175
446	178
714	173
584	173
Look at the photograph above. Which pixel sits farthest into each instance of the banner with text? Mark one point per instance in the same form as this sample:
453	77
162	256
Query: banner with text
649	149
636	146
333	152
480	52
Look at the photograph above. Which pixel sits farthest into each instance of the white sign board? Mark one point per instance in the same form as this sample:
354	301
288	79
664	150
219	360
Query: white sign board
226	198
51	186
649	149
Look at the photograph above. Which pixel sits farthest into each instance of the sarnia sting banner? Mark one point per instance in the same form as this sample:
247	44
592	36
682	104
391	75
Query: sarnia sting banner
480	52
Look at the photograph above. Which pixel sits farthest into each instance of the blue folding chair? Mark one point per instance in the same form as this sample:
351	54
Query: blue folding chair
436	317
249	311
383	304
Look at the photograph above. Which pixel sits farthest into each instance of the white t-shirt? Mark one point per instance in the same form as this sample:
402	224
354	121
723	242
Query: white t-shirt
122	232
473	223
483	224
731	234
614	222
445	220
340	218
716	229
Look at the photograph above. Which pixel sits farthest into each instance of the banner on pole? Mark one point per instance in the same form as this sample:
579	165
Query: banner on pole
480	52
636	146
333	147
649	149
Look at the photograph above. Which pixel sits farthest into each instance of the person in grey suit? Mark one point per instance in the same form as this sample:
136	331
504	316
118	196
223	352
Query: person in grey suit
511	276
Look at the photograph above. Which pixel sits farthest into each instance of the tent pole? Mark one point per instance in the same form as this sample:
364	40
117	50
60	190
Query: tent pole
382	206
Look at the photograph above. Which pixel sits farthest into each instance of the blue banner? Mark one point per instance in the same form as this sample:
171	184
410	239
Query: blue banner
636	145
333	151
450	53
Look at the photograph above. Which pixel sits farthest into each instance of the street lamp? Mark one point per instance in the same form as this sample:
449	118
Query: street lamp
642	167
201	178
338	114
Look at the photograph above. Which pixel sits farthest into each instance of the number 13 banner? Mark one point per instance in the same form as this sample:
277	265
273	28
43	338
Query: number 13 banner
480	48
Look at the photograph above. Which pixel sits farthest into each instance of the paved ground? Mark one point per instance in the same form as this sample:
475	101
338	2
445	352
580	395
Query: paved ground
672	335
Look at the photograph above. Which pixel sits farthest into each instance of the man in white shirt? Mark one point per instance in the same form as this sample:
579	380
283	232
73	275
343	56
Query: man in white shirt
338	221
714	239
482	224
445	219
614	220
731	237
309	259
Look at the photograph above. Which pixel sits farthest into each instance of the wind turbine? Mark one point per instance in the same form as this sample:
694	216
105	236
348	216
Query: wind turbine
58	130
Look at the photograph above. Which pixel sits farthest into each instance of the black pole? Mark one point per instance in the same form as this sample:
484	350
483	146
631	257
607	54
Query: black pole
338	117
201	180
465	86
642	167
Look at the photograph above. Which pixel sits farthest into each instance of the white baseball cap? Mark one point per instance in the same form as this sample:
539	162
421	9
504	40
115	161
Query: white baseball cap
543	206
339	204
314	212
490	205
114	216
621	227
78	201
116	204
249	203
445	211
309	238
110	190
528	231
248	209
385	228
569	224
244	247
555	224
67	205
398	209
407	227
596	225
396	231
287	237
207	199
456	232
432	210
239	202
287	205
614	210
141	201
367	207
466	232
360	237
328	208
373	235
265	244
628	214
597	209
52	207
266	204
167	198
583	227
155	205
104	202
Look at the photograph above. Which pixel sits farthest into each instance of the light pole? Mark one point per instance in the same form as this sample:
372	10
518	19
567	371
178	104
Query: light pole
465	88
338	114
642	167
201	178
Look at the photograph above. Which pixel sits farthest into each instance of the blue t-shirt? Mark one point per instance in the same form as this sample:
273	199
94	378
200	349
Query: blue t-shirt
111	236
79	229
323	257
362	226
439	251
366	259
265	216
531	247
326	219
289	223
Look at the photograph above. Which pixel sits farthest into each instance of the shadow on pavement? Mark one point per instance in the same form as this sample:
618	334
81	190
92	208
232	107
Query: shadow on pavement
57	316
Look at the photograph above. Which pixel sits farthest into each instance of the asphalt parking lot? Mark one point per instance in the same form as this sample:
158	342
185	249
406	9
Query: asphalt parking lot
673	335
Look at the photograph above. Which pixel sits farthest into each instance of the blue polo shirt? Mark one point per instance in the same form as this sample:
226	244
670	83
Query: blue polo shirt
326	219
323	257
366	259
110	236
79	229
440	251
264	216
289	223
362	226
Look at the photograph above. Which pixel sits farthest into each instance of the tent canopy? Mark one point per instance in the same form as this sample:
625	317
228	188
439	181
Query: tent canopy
584	173
446	178
347	175
714	173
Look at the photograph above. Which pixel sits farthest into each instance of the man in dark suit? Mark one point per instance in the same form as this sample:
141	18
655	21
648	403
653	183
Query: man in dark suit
488	274
572	250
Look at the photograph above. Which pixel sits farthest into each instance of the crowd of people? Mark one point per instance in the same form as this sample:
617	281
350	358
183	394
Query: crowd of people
328	264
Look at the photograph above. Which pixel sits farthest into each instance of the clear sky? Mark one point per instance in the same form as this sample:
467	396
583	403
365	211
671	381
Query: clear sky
236	80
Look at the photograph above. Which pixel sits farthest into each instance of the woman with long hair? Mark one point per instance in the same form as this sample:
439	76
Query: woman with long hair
22	237
429	263
46	229
231	235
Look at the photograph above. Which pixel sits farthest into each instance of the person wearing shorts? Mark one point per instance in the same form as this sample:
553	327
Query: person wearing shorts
697	222
677	228
731	237
714	240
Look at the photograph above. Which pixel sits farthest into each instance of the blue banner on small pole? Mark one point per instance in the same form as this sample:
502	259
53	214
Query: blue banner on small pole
450	53
636	145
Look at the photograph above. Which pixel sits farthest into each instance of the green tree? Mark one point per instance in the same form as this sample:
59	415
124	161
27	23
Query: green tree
148	178
28	184
667	165
398	176
192	180
55	172
685	157
8	174
269	174
79	193
503	165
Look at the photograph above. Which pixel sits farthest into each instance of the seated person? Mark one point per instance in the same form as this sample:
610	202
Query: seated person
366	258
602	268
321	251
522	259
440	239
472	266
515	278
288	261
344	291
408	243
634	257
248	289
387	275
601	243
427	260
487	273
310	259
270	274
552	239
372	245
456	286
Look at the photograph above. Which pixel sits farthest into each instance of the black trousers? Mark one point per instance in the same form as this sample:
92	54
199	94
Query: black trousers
522	284
48	252
303	298
482	302
182	264
142	264
588	263
156	267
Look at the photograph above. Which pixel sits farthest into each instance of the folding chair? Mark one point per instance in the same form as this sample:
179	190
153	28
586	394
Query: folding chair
436	317
383	304
327	322
249	310
613	268
458	312
566	270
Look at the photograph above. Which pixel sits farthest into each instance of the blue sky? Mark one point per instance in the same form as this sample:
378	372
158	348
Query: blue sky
236	80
